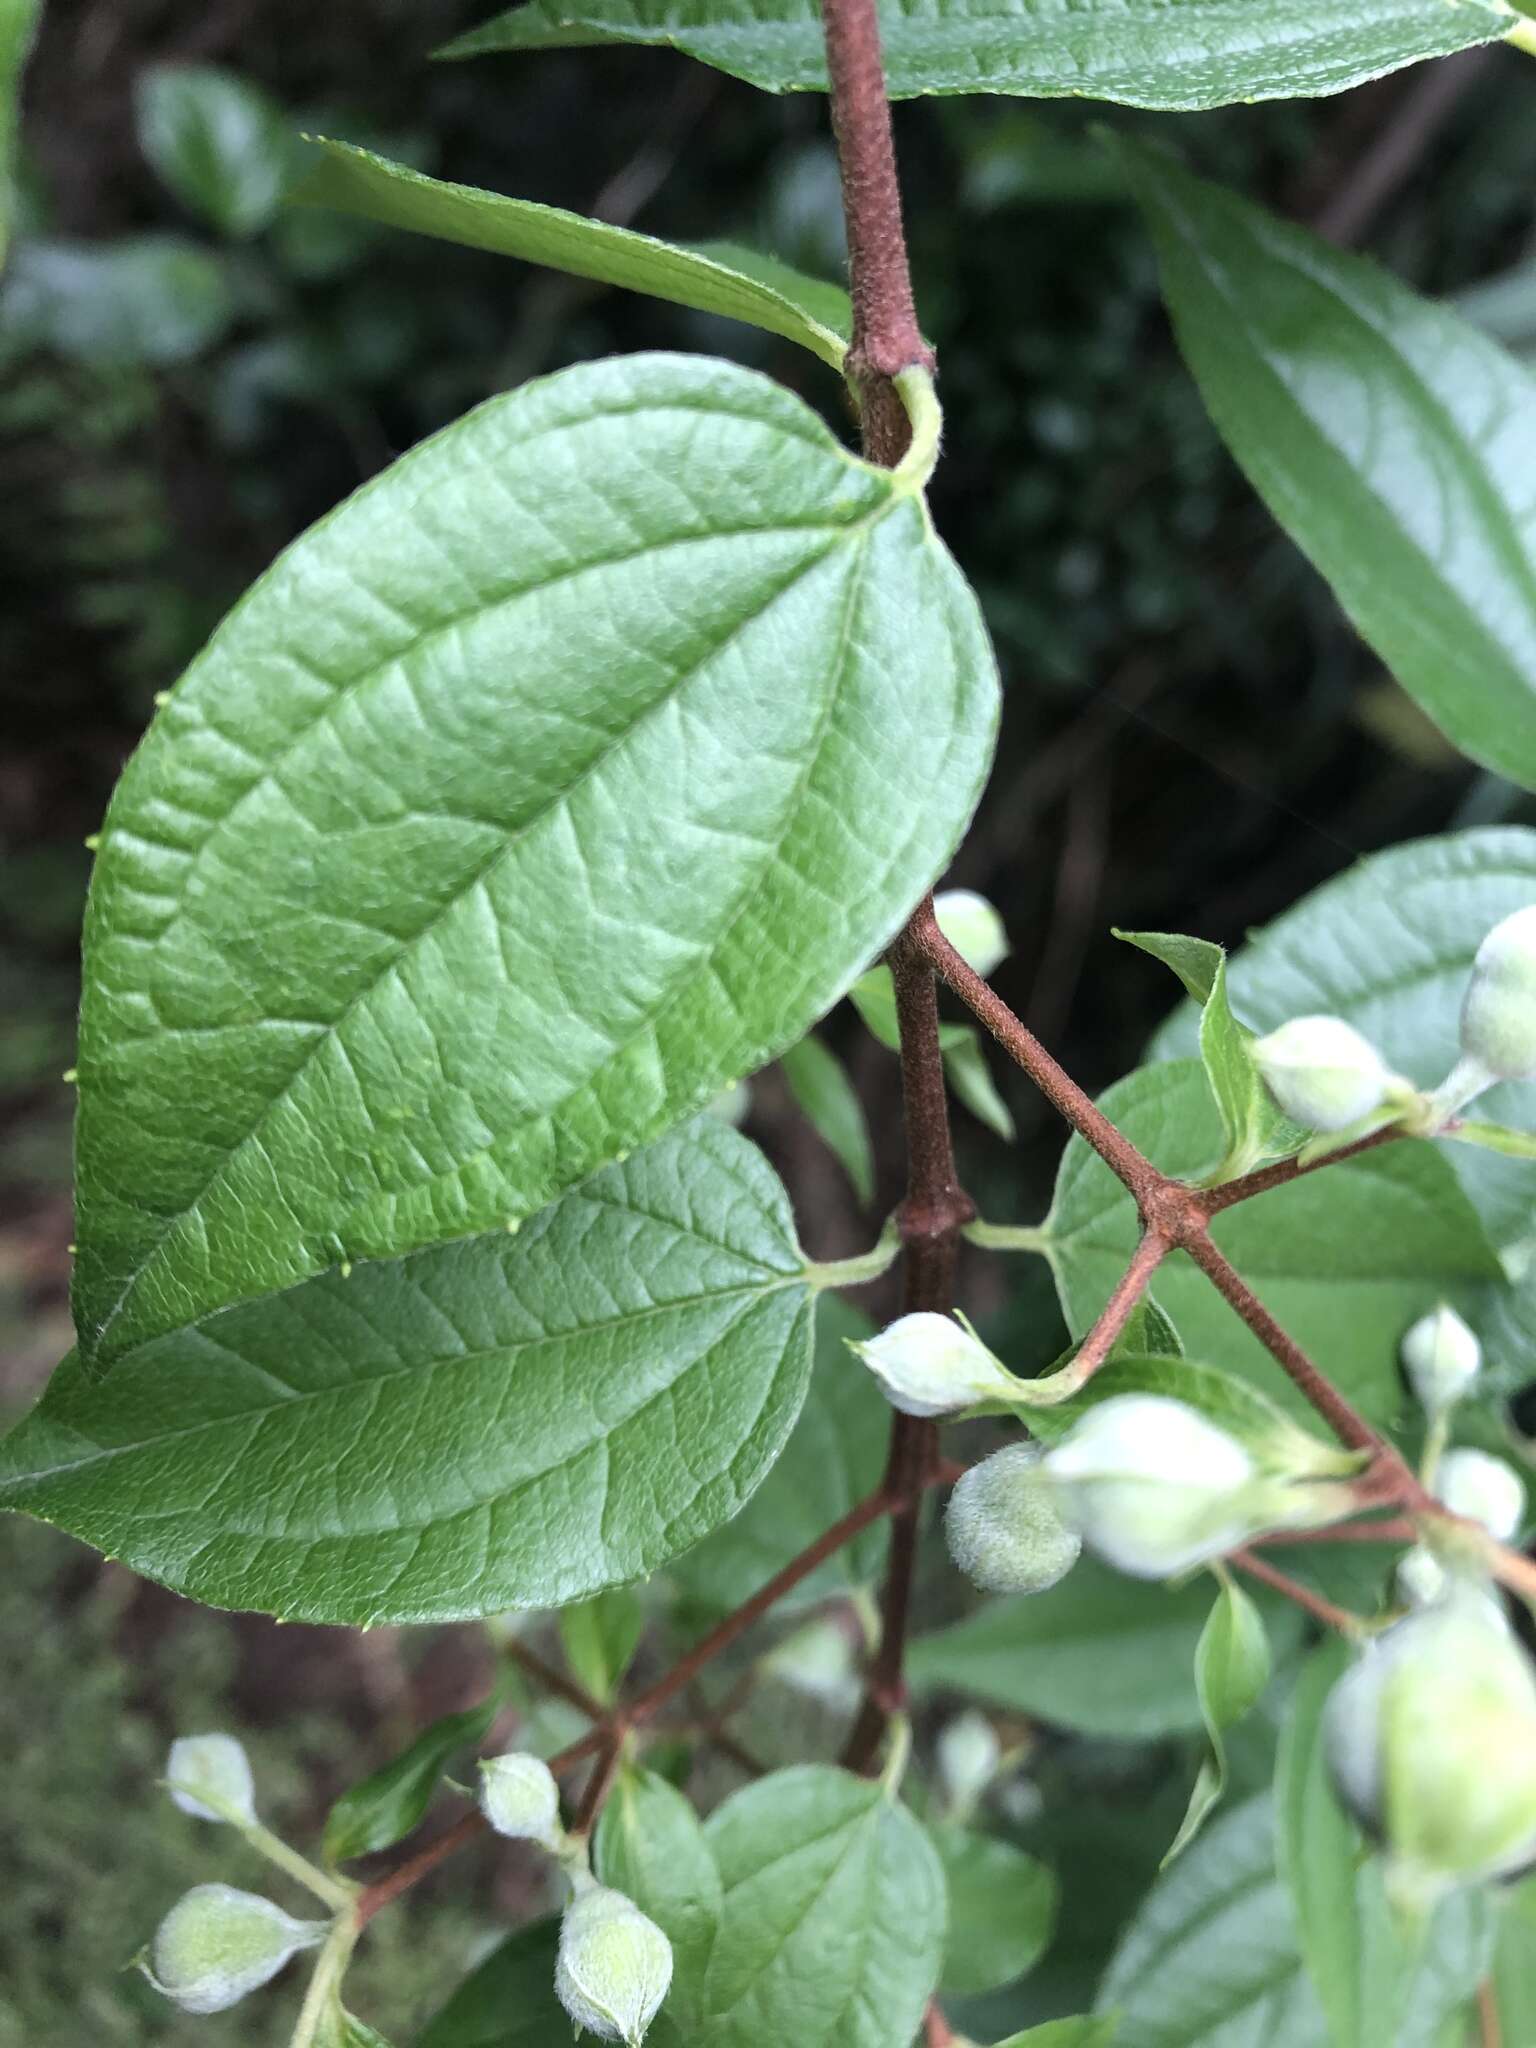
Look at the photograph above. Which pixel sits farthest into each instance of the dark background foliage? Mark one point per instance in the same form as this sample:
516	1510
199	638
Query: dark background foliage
1193	738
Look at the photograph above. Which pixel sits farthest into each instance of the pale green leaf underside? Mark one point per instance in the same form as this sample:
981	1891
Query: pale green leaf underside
357	181
1393	441
1346	1258
1002	1910
1389	945
510	1421
564	774
1144	53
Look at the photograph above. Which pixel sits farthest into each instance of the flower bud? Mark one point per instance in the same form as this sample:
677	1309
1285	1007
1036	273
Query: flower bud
1155	1488
972	927
216	1944
519	1797
1441	1357
928	1365
614	1965
1420	1576
217	1767
1431	1742
1498	1016
966	1755
1484	1489
1005	1527
1321	1072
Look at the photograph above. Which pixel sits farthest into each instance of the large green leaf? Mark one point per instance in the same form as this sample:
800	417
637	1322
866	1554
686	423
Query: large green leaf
565	773
1389	945
1002	1910
1393	441
832	1925
356	181
1210	1960
508	2001
1146	53
513	1421
833	1459
1099	1653
1346	1258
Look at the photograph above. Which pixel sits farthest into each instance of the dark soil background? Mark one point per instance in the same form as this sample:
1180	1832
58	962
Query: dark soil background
1193	737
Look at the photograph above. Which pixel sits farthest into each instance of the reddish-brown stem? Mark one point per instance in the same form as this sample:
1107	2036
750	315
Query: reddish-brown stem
598	1785
1490	2027
937	2032
1322	1610
1284	1171
1392	1529
1116	1312
1055	1084
553	1680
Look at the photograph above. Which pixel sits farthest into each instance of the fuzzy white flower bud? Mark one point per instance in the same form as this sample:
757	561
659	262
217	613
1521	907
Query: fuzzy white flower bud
519	1797
1442	1358
1321	1072
972	927
928	1365
966	1754
1155	1488
1421	1576
1005	1526
217	1768
614	1966
1483	1488
216	1944
1498	1016
1431	1742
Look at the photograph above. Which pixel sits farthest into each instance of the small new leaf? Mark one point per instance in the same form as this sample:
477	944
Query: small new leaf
385	1806
1232	1668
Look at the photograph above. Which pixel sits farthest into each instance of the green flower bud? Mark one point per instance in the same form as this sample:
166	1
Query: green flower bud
1431	1742
1005	1527
1484	1489
1155	1489
519	1797
614	1965
216	1944
1442	1358
967	1755
972	927
928	1365
1498	1017
1321	1072
217	1767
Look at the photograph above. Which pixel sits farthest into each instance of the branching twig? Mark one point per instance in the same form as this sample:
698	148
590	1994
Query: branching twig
1320	1609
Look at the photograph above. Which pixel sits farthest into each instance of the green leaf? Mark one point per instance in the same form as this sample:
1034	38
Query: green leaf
1232	1668
832	1925
833	1460
1099	1653
1392	440
1088	2032
509	2000
695	706
385	1806
18	28
1514	1965
651	1845
155	299
766	294
355	2033
1346	1258
514	1421
219	143
1253	1129
599	1638
1002	1910
1389	945
819	1082
1145	53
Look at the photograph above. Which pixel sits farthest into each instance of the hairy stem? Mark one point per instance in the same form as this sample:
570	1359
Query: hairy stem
1117	1311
